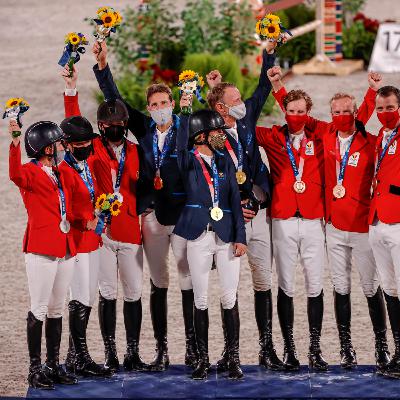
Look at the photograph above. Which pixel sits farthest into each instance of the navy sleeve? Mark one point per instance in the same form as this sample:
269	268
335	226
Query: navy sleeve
236	207
182	138
256	102
138	122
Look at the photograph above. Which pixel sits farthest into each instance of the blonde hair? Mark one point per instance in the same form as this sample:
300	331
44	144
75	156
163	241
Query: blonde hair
340	95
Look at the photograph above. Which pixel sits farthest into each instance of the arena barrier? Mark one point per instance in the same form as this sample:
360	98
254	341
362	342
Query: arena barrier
258	383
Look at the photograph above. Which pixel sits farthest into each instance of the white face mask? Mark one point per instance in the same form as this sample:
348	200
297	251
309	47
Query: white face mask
237	112
162	116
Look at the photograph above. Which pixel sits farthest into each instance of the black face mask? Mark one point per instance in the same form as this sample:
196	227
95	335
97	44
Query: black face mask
82	153
115	133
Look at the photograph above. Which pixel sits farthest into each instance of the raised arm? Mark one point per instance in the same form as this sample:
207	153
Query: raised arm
367	107
137	120
182	139
71	100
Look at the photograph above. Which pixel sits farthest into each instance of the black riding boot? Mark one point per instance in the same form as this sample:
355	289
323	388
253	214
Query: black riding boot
315	311
52	368
222	363
191	355
263	311
376	307
36	377
232	325
78	321
108	321
286	317
343	322
70	359
133	324
201	329
158	311
393	308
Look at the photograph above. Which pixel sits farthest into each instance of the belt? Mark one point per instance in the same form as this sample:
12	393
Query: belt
297	214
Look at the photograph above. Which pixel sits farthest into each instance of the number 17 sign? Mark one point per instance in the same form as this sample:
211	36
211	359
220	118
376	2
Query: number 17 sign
386	54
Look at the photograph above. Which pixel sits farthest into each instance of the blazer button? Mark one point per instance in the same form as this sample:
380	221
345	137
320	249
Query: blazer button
378	194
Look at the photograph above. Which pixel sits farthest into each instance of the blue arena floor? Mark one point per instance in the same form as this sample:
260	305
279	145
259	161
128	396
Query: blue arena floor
258	383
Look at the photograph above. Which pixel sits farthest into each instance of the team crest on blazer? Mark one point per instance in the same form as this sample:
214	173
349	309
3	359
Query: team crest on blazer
310	148
353	159
392	148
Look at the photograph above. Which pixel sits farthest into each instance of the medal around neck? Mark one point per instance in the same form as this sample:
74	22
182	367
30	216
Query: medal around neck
299	187
339	191
241	177
65	226
191	83
216	213
14	109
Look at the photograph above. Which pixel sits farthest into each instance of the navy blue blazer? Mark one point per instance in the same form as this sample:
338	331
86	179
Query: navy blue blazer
256	171
169	201
195	215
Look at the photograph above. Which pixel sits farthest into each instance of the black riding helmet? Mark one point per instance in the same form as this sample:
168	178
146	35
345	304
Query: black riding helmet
112	111
77	129
40	135
203	121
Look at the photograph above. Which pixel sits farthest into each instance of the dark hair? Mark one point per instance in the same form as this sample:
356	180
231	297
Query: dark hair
386	91
216	94
297	94
158	88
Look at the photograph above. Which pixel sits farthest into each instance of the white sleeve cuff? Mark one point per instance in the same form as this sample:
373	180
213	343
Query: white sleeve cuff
70	92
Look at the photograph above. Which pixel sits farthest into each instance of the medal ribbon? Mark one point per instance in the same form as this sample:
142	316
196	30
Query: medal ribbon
213	185
121	164
298	171
384	151
159	158
85	175
341	165
238	161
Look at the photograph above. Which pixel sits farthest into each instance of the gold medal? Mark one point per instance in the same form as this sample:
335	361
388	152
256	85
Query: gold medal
158	183
241	177
299	186
339	191
216	213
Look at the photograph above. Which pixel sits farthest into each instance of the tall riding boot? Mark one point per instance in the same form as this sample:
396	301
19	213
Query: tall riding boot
158	311
52	368
343	322
263	311
133	324
376	307
393	308
78	321
286	317
70	359
315	311
222	363
201	329
108	321
36	378
191	355
232	324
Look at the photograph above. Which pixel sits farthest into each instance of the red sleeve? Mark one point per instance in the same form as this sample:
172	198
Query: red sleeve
18	174
71	106
367	107
279	96
262	134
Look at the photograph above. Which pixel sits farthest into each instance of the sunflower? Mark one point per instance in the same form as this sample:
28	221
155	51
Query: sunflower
274	19
108	19
270	31
201	81
100	201
186	75
118	17
102	10
258	27
74	38
115	208
13	102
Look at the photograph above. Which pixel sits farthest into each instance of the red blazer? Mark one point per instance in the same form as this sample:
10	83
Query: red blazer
285	201
82	210
41	200
125	227
349	213
385	202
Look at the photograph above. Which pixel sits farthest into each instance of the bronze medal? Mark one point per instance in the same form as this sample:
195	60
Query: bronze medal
216	213
339	191
158	183
241	177
299	187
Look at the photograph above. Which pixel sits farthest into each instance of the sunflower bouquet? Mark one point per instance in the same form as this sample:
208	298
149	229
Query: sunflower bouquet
191	83
107	206
74	43
107	21
14	109
270	28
